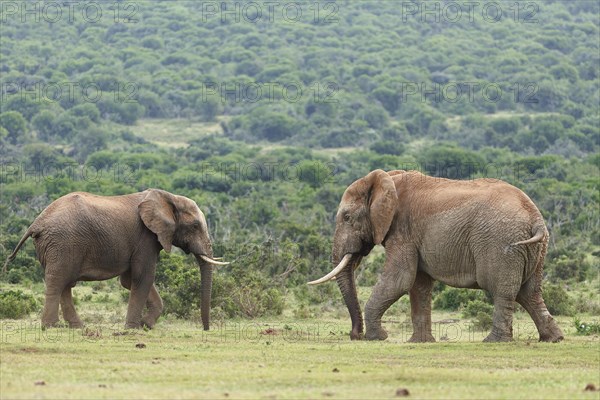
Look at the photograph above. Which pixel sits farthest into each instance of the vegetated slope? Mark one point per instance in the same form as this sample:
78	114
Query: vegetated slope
336	74
247	117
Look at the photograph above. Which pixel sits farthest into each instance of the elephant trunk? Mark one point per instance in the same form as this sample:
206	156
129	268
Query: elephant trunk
206	271
345	280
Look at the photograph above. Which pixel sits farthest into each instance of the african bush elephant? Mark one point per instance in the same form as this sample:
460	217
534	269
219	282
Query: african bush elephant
84	237
477	234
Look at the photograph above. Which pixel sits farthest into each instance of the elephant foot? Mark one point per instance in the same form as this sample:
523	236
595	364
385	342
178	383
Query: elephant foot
148	322
355	335
421	338
51	324
376	334
553	337
552	333
133	325
494	337
75	324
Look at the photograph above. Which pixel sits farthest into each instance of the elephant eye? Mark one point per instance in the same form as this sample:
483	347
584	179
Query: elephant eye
346	217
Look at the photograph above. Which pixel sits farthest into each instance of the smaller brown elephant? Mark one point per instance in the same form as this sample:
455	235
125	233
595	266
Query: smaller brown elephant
84	237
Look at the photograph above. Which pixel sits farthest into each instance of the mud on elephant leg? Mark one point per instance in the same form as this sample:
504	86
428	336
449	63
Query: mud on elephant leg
68	308
530	298
420	307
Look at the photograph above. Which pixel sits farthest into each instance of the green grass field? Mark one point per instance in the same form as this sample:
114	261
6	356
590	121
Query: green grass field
286	358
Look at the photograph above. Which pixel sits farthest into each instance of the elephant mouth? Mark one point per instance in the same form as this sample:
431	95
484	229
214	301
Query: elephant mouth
366	249
350	260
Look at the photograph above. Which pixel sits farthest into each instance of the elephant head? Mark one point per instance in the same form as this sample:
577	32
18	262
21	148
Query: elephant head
177	220
363	220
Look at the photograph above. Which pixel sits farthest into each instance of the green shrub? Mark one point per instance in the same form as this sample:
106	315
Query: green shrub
246	294
483	321
237	291
585	328
557	300
480	313
15	304
474	307
452	298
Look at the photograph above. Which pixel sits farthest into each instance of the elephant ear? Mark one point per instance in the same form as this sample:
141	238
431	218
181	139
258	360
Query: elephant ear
382	203
156	211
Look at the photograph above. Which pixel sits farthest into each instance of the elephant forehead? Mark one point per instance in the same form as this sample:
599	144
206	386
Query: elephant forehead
202	220
351	206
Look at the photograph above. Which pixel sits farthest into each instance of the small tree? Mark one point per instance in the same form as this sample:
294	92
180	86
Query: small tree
15	125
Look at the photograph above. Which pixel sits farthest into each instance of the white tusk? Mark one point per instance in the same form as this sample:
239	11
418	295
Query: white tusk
334	272
217	258
211	261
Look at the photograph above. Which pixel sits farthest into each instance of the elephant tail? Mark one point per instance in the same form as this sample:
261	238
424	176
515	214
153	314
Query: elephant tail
539	234
16	250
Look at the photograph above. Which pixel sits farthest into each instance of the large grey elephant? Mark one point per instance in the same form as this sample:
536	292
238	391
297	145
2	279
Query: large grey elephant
479	234
84	237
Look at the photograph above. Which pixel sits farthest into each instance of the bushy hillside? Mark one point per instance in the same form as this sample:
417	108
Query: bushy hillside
265	113
324	74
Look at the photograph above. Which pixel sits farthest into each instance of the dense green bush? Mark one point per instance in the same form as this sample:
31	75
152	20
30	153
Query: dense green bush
557	300
474	307
453	298
586	328
15	304
237	291
480	313
451	162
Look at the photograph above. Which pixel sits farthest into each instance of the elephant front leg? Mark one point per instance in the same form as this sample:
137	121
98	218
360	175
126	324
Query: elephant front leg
140	286
137	301
154	303
420	307
396	280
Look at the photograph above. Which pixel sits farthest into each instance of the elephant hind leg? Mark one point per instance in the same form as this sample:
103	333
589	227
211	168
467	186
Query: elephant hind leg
502	321
420	307
68	308
54	289
530	297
